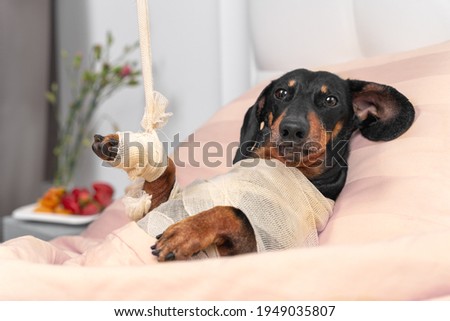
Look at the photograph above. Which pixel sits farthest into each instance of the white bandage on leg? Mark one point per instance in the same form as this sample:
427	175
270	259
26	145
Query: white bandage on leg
141	155
137	202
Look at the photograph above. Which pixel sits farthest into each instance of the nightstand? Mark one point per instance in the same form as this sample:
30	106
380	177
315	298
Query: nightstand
13	228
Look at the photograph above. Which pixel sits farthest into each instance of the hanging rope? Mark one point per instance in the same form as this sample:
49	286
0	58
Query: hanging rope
155	103
146	58
141	154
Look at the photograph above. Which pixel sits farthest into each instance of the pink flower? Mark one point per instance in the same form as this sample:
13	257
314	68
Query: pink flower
125	71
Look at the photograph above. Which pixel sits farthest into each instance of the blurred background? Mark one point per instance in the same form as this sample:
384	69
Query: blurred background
205	54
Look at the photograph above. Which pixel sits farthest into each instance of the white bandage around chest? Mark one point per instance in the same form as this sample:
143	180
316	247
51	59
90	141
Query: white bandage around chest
284	208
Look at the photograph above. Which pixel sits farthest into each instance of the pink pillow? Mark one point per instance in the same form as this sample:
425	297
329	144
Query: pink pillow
400	187
393	188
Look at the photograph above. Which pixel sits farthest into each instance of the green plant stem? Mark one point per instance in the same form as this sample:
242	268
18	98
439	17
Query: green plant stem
84	122
65	139
89	88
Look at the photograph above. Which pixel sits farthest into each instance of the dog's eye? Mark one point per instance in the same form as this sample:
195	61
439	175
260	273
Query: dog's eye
331	101
280	94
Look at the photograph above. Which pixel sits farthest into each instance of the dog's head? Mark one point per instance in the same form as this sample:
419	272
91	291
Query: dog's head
303	117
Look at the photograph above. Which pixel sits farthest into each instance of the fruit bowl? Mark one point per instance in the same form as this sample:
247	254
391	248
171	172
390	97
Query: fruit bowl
79	205
27	213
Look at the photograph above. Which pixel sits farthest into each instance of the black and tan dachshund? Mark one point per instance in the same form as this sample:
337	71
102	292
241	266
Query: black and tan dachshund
305	120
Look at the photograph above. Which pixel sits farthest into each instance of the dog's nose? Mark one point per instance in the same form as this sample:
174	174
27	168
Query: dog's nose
98	138
292	131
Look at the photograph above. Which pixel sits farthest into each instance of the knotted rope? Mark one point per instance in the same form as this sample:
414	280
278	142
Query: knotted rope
141	154
155	116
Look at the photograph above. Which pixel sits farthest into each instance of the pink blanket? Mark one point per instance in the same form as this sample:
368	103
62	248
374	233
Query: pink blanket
388	239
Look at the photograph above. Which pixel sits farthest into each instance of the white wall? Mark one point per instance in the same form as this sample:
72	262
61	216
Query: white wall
188	62
235	49
81	24
288	34
203	49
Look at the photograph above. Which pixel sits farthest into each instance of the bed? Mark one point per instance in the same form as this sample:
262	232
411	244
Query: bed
388	237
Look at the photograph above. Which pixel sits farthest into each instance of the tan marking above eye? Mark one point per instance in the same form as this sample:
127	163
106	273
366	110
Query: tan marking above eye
324	89
292	83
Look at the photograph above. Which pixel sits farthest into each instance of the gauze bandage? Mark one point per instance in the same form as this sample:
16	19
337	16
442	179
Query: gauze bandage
142	157
284	208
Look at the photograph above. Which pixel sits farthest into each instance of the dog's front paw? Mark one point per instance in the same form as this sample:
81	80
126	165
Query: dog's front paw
106	147
181	241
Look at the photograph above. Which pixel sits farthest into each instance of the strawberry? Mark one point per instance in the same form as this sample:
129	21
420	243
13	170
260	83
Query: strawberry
89	209
70	203
82	196
103	199
103	188
103	193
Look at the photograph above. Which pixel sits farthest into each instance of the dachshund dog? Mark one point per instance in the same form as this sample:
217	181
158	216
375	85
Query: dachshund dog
303	119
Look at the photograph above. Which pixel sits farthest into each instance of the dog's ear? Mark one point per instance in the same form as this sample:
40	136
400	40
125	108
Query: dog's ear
383	112
250	130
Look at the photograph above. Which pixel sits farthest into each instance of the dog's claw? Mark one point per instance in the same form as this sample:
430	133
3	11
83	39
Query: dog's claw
156	252
170	257
153	247
158	236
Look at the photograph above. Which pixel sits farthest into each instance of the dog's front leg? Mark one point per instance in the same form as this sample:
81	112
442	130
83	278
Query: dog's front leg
161	188
226	227
106	148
